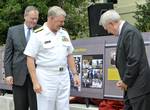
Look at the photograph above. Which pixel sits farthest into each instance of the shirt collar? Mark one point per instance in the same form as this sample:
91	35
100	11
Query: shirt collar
26	28
120	26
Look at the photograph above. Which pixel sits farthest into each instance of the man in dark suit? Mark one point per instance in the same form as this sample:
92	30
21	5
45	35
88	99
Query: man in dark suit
131	61
16	71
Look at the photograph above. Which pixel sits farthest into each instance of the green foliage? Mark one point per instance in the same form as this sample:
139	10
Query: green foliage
8	13
77	19
11	13
142	15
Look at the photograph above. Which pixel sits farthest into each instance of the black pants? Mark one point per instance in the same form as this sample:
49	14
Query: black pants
24	96
138	103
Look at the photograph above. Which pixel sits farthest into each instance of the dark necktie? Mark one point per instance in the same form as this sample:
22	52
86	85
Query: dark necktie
28	34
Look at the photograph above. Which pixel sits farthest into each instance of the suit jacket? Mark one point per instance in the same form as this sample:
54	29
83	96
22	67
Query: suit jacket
14	59
131	61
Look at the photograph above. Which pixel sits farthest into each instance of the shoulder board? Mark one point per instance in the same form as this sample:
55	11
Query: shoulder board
38	30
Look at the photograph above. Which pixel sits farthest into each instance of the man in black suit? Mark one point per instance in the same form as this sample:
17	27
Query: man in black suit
131	61
16	71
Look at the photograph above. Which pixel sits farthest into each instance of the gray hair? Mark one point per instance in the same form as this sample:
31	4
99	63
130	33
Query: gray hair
56	11
109	16
30	8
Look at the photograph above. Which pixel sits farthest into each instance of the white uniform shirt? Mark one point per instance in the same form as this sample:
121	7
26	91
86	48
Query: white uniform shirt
49	49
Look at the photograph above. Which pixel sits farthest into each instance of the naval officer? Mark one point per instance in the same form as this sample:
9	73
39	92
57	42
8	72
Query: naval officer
51	48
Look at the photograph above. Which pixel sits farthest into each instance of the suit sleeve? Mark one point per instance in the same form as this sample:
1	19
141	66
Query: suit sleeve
8	55
133	45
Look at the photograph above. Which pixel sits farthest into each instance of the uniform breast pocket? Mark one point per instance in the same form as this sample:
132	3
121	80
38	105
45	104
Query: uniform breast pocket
48	45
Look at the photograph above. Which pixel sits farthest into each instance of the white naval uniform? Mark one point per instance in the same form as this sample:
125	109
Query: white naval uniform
50	52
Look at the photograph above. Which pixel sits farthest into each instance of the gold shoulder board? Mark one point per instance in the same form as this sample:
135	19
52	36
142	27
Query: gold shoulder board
38	30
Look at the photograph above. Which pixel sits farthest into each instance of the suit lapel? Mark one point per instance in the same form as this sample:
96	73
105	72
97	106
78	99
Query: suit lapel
120	40
22	36
121	34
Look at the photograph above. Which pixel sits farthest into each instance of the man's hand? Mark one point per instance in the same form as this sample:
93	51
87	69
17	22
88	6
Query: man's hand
121	85
37	87
9	80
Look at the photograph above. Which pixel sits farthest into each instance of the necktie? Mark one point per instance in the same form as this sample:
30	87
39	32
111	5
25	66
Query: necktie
28	34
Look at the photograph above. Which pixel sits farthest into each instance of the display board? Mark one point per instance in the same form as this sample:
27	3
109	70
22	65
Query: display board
111	72
89	62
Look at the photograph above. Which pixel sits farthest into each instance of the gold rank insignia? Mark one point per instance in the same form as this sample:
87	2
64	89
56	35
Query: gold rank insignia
39	29
65	39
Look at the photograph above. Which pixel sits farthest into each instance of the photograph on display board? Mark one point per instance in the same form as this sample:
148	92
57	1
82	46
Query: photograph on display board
78	60
113	58
92	71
